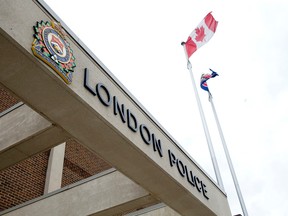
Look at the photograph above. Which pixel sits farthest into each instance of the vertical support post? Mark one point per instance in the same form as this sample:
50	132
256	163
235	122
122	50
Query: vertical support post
55	168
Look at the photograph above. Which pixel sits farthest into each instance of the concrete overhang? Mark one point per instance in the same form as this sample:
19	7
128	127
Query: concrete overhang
24	133
84	117
91	196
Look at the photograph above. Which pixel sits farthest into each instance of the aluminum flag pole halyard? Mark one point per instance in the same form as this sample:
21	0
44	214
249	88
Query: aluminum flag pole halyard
205	127
241	200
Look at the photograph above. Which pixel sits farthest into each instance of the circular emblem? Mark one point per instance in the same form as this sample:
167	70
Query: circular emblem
56	45
51	47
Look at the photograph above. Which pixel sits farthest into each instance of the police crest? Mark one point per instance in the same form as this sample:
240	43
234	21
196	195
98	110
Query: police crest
50	46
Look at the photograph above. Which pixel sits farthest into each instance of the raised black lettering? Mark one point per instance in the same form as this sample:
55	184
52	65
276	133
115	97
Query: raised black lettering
180	167
157	145
106	101
204	191
145	134
172	158
190	178
86	85
119	109
131	118
197	182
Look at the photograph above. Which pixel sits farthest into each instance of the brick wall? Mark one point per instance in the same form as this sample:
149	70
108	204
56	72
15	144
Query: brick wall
80	163
23	181
7	99
26	180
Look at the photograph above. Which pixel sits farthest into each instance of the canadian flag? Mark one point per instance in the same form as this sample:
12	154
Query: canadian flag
201	35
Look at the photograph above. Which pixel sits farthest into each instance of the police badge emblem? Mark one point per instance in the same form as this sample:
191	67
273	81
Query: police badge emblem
50	46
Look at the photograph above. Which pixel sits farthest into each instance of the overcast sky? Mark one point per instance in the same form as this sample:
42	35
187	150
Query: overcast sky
139	42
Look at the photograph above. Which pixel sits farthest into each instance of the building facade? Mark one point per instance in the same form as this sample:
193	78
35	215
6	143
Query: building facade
74	141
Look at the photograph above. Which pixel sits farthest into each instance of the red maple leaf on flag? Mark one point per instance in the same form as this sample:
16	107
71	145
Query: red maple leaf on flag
200	34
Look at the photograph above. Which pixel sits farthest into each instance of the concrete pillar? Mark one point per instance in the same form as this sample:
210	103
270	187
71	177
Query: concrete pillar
55	168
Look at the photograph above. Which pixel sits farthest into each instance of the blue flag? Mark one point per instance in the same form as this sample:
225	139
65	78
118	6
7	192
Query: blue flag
205	77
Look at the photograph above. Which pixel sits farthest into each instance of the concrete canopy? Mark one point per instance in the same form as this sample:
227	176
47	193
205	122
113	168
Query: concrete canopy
80	114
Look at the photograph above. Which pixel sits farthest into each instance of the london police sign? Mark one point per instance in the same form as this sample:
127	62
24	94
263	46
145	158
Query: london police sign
51	47
101	92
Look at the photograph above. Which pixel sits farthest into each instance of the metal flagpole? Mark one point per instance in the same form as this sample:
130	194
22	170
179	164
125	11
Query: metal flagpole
228	159
205	127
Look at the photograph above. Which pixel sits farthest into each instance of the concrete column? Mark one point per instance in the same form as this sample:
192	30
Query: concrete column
55	168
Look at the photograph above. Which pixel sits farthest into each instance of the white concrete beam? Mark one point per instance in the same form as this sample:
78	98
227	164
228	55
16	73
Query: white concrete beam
108	193
20	124
23	133
159	209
